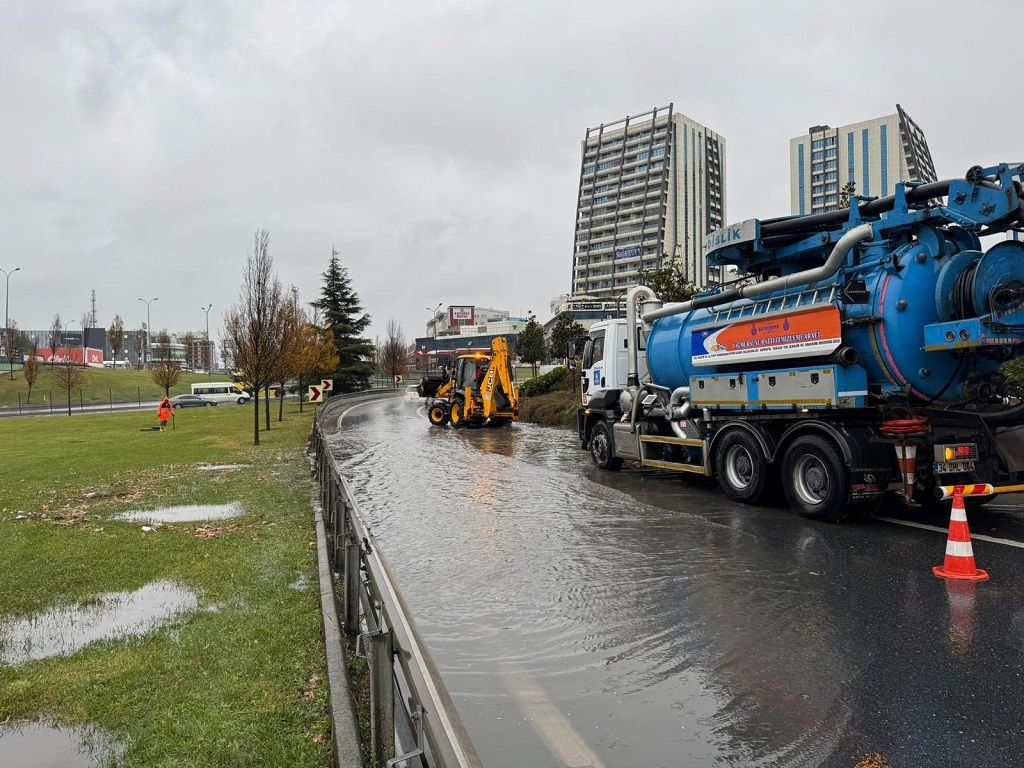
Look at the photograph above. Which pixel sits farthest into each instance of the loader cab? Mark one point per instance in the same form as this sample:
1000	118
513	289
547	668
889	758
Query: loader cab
468	370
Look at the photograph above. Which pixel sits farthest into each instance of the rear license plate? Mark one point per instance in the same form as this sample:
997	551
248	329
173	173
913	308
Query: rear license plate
952	467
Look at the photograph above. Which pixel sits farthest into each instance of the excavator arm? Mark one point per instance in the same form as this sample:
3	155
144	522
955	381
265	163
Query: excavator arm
499	379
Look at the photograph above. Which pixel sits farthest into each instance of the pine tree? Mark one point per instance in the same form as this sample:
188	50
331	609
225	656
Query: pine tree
344	318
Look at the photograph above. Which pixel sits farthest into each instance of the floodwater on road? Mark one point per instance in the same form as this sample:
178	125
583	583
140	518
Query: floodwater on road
63	630
584	618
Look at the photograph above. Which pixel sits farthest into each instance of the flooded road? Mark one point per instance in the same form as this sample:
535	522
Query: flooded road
583	618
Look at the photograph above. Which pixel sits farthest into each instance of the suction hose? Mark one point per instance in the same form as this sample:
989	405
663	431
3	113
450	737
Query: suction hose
806	277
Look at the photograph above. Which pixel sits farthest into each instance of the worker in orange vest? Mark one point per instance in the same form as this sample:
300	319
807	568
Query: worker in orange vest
163	411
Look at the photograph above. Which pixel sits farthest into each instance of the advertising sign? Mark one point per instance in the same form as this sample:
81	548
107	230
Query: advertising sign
71	354
734	234
461	315
627	253
800	334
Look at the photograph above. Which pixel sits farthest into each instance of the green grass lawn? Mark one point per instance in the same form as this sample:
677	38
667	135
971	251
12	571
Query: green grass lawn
100	386
237	682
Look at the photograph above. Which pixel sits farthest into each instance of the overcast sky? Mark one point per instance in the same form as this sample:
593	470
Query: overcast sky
434	144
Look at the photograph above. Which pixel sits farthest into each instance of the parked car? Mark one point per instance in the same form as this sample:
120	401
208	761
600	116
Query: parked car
411	393
191	401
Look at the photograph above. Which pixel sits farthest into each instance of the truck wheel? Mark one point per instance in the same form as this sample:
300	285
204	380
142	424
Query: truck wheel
815	479
437	414
741	467
602	449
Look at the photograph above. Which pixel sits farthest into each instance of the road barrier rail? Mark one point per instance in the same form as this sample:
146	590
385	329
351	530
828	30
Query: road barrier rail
426	731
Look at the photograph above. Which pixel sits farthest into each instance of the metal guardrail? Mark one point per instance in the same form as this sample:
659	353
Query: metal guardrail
426	731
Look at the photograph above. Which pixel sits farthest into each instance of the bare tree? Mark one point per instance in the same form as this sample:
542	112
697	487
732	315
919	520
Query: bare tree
30	370
162	349
395	351
140	345
254	324
189	340
166	375
68	376
115	335
56	329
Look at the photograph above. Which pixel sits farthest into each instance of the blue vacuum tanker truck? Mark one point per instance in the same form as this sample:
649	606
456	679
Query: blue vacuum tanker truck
857	354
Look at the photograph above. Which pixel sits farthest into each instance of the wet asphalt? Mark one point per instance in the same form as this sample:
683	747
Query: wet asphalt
635	619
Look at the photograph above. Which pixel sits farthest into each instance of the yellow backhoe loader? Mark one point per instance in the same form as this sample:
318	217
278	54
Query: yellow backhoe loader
478	392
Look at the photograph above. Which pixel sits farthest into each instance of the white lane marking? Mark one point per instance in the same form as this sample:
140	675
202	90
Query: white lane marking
352	408
421	411
979	536
551	725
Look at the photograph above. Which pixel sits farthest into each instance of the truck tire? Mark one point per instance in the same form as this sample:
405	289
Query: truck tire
602	448
437	414
741	467
815	479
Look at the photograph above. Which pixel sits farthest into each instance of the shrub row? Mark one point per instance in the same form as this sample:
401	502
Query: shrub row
547	382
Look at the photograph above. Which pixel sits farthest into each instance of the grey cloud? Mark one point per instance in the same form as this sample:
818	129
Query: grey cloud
435	144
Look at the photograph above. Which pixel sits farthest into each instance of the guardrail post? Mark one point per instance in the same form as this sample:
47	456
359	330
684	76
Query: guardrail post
382	698
352	584
340	524
329	493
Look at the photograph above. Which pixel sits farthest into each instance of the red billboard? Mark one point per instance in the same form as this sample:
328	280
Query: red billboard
71	354
461	316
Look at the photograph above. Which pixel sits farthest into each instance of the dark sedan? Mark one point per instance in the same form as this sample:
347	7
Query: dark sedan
191	401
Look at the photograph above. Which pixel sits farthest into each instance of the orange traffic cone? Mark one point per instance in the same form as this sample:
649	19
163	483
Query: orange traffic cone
959	563
906	455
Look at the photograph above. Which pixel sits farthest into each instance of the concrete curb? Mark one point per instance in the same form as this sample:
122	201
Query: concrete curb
345	732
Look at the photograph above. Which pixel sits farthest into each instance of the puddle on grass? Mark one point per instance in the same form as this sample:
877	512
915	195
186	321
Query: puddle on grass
219	467
46	745
64	630
183	514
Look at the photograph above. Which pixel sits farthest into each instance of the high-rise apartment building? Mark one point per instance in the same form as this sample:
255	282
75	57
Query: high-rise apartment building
651	186
874	155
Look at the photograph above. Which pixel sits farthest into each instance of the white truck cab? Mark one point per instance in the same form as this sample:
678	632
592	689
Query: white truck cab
605	367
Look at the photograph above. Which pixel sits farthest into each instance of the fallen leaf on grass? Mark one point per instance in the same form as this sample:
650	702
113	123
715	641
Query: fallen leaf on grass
214	531
311	687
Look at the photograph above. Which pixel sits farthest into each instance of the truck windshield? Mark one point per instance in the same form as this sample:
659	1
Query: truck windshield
594	350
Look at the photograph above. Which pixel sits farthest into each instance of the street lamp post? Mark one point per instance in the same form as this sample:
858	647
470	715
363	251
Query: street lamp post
433	328
149	326
67	325
209	367
7	319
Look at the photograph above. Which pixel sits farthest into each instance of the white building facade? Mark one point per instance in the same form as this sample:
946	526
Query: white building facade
873	155
651	185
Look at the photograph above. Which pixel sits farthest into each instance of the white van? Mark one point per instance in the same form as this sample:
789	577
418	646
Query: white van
221	391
